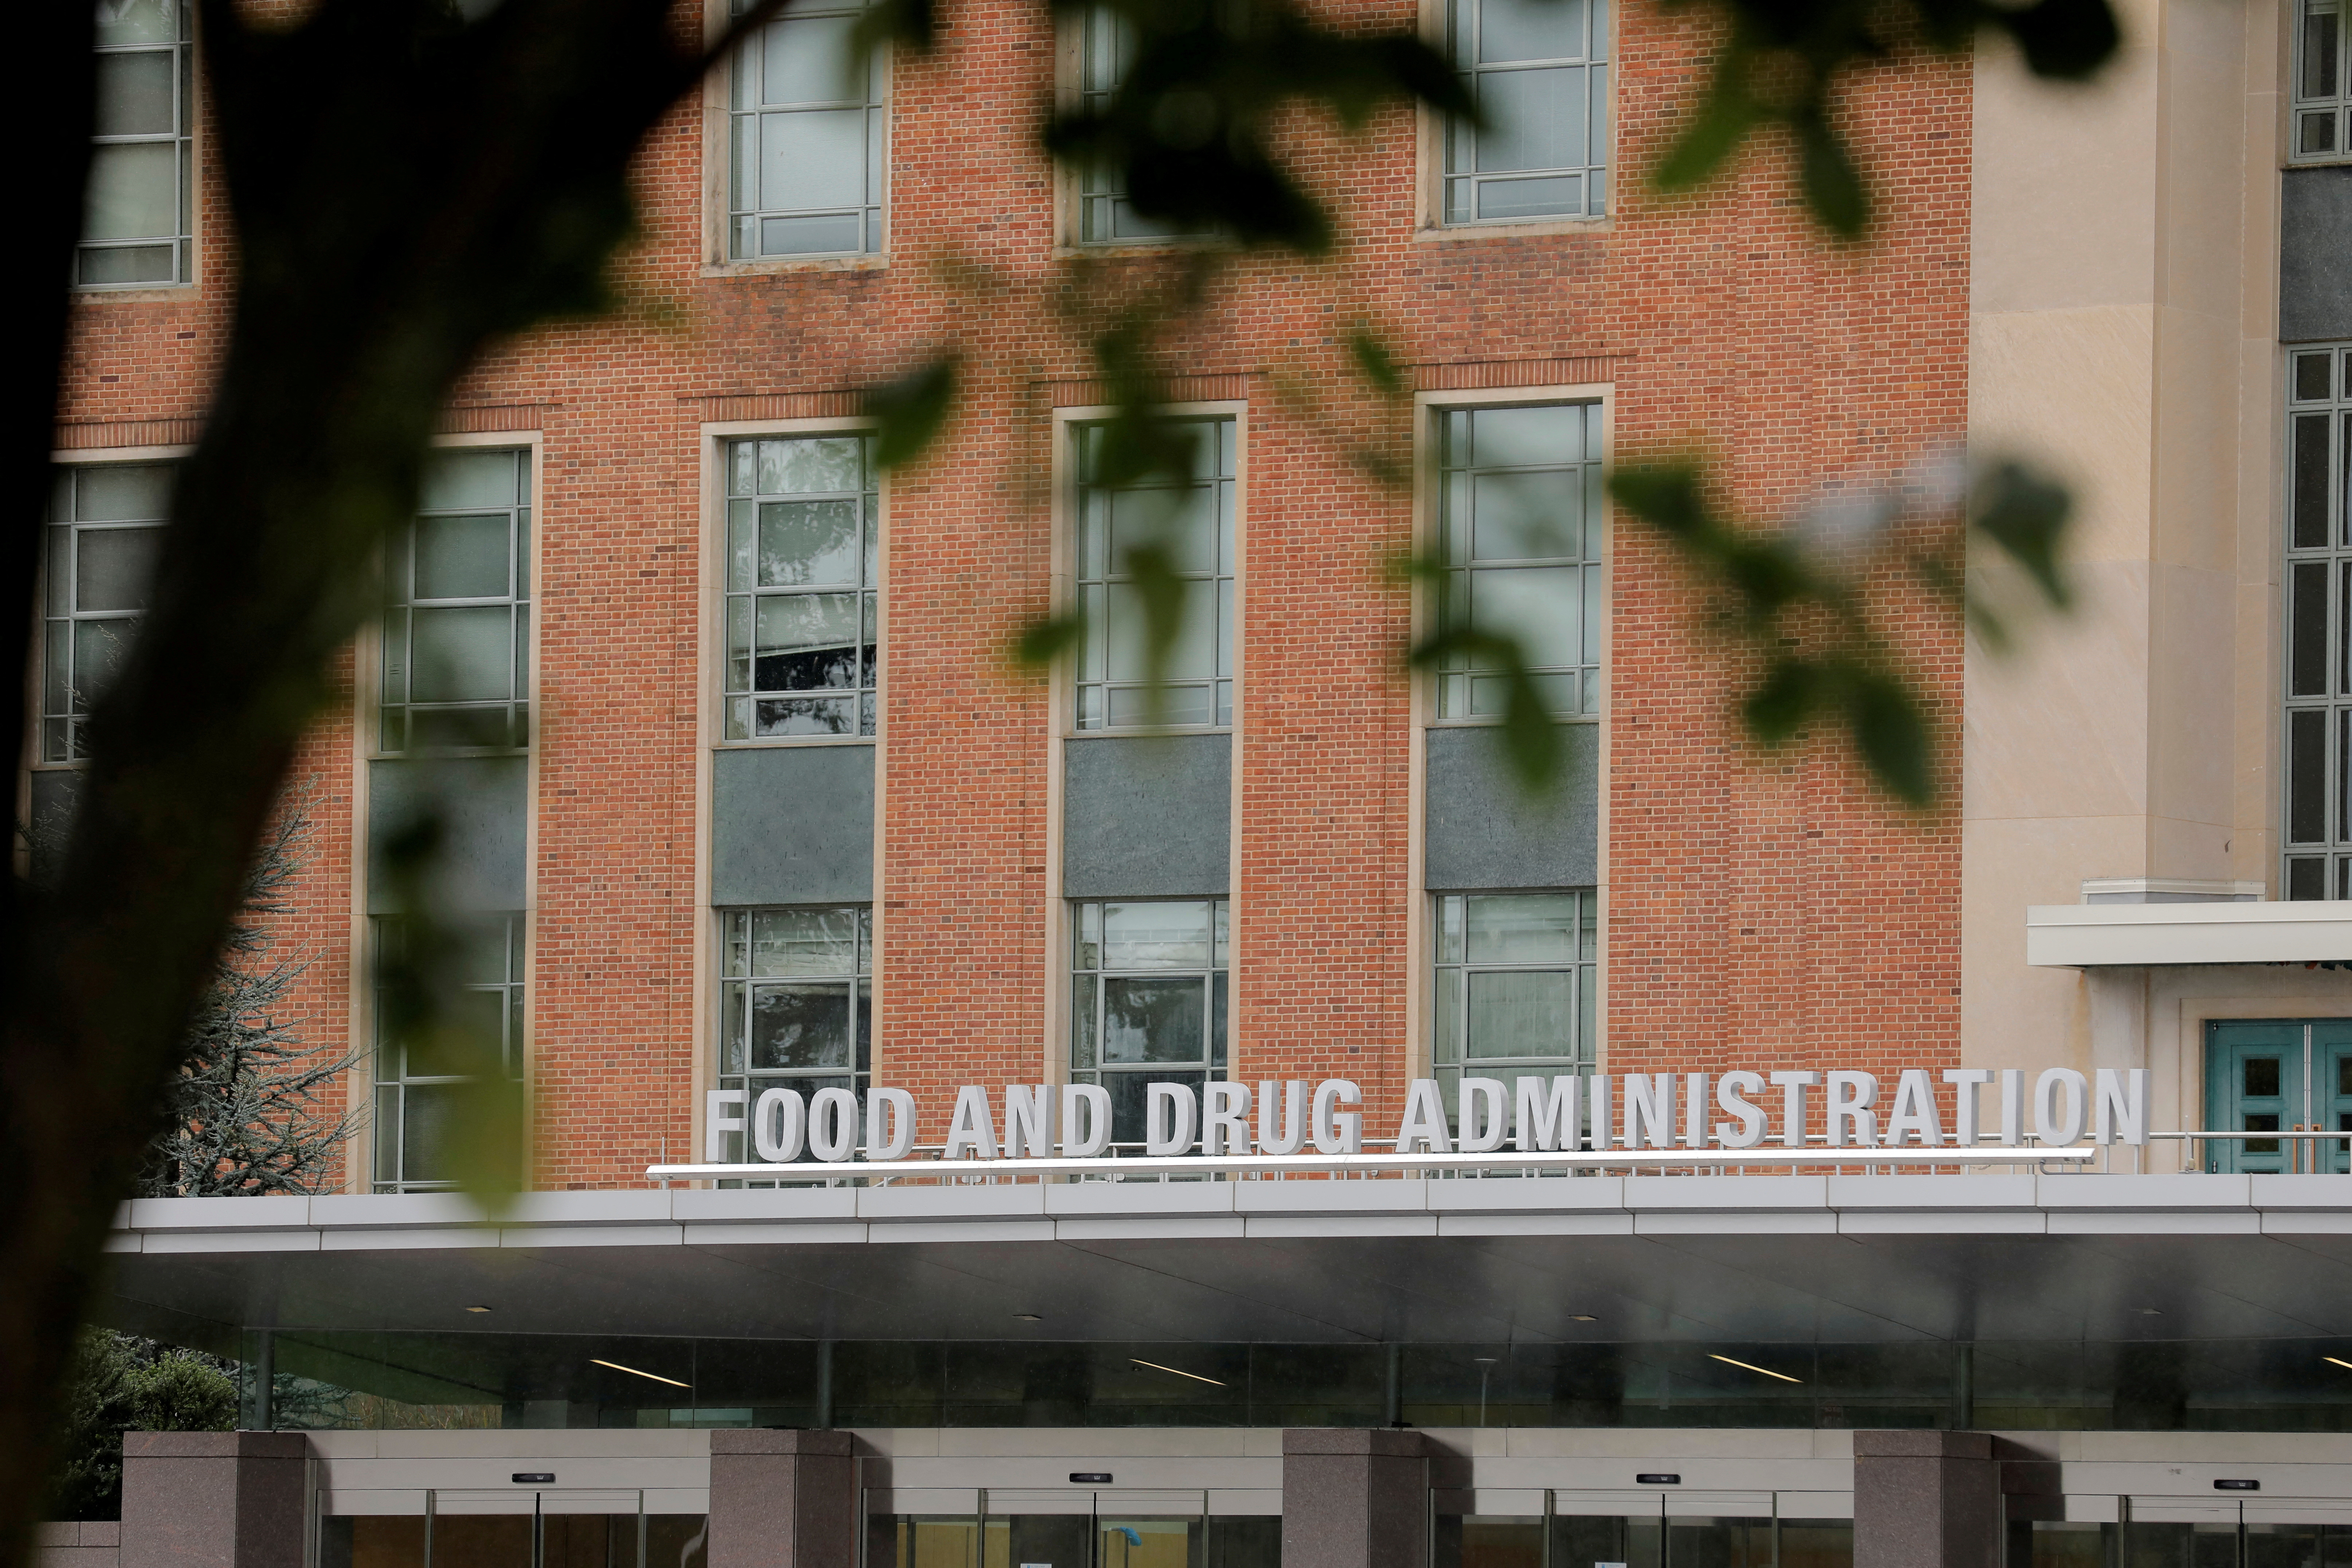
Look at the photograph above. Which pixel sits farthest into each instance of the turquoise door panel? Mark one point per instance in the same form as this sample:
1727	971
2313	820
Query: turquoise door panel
2253	1083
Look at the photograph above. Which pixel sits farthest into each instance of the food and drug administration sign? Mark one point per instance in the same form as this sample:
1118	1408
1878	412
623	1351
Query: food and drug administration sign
1990	1109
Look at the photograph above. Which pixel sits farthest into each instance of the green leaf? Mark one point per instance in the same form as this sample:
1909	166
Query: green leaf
1890	733
1043	641
1380	368
1667	497
1152	577
1779	709
2025	514
914	22
1725	117
2067	40
1530	734
1832	183
911	410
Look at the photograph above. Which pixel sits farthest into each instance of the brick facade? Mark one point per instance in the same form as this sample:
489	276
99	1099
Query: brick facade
1757	914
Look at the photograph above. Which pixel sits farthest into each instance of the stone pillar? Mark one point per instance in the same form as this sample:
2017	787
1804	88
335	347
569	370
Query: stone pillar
214	1500
1925	1499
782	1499
1353	1498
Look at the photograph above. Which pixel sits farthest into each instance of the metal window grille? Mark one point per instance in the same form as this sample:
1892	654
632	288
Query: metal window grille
796	1003
1514	986
1520	515
420	1080
1149	994
1538	70
139	220
1106	216
806	126
2320	120
1190	521
455	669
804	565
105	527
2318	615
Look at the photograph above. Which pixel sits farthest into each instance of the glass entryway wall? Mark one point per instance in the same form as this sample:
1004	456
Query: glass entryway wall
2187	1532
2277	1075
516	1528
1577	1529
1063	1528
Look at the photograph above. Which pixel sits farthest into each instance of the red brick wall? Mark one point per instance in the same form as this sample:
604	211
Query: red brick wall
1757	914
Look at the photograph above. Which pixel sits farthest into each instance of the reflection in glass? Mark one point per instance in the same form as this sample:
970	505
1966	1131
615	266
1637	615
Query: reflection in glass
1149	998
802	613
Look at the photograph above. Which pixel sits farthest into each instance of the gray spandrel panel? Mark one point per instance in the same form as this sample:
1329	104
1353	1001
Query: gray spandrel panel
1485	831
791	824
1147	816
482	803
2316	255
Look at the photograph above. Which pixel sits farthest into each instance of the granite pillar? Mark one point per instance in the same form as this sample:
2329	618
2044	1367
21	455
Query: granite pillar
214	1500
782	1499
1354	1498
1925	1499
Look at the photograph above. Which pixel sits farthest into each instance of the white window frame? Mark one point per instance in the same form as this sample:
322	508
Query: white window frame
2324	713
1438	130
187	137
718	168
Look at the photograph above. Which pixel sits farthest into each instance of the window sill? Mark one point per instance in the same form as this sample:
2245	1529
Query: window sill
773	265
1533	228
1072	250
1133	731
136	293
1498	723
2318	161
770	742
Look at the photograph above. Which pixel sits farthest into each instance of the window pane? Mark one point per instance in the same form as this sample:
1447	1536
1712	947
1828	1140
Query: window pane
2311	378
801	1025
1527	516
2306	878
2320	23
428	1126
807	543
462	655
1530	30
2306	776
804	941
1553	196
127	264
808	642
826	463
2309	504
806	59
1520	1013
2307	634
134	94
134	192
100	648
131	492
1129	1100
1180	520
462	557
1539	605
809	235
812	158
138	21
1154	1019
114	566
459	481
1192	654
1536	119
1523	928
1156	936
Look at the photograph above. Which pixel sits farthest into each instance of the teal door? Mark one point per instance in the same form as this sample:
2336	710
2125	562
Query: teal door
2274	1075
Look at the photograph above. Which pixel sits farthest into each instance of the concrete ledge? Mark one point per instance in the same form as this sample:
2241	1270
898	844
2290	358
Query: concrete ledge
2082	936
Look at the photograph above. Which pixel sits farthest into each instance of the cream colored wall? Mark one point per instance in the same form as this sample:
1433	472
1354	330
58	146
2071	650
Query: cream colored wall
2124	276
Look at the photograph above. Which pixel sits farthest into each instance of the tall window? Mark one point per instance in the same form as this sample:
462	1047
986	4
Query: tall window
806	122
803	562
2321	123
2318	806
1148	1000
1186	524
420	1077
456	627
1106	216
1519	524
796	1001
106	524
1515	986
1538	71
139	217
